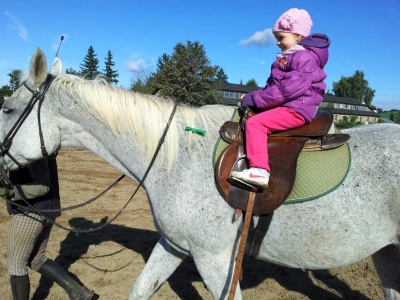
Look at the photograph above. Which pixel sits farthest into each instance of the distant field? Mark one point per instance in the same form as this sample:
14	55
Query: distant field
386	114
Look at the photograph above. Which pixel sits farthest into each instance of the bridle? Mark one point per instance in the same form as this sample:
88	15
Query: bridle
38	96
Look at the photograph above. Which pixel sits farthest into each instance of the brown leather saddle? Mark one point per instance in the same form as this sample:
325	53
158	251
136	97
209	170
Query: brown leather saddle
283	150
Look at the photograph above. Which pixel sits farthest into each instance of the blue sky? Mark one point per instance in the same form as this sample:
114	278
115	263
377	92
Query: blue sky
236	34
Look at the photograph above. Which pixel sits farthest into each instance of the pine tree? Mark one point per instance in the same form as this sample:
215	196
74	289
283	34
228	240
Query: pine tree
187	75
90	64
111	74
15	76
221	76
71	71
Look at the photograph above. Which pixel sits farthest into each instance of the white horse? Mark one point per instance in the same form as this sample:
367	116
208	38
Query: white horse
359	219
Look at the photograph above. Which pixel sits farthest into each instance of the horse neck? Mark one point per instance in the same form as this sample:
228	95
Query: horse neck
123	151
79	128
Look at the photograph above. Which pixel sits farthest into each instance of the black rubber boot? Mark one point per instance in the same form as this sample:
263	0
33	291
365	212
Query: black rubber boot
53	271
20	287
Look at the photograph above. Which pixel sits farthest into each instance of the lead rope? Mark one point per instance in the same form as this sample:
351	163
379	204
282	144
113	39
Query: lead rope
242	245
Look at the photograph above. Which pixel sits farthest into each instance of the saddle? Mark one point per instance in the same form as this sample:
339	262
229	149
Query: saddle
283	151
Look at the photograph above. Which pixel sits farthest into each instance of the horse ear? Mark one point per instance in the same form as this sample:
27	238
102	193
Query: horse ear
38	67
56	67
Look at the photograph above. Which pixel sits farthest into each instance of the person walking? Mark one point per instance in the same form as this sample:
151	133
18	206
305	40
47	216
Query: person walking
29	232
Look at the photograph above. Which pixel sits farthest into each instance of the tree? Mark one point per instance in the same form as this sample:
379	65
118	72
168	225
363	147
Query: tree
71	71
354	87
111	74
15	76
252	82
143	82
90	64
187	75
326	106
221	76
347	122
5	91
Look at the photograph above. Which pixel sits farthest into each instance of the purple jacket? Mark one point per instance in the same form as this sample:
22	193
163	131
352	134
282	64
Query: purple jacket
296	80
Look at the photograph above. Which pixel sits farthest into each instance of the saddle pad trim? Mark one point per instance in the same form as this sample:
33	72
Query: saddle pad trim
221	144
318	195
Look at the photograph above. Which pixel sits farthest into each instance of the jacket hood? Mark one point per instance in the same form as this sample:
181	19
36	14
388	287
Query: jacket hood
319	44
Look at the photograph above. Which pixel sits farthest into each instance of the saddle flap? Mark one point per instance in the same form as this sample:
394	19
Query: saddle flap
283	153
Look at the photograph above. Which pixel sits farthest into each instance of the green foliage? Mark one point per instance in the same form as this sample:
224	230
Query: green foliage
328	92
252	82
71	71
221	76
347	122
326	106
143	82
90	64
111	74
187	75
5	91
354	87
15	76
395	116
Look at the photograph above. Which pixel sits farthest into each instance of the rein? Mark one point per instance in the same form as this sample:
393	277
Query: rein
5	146
36	96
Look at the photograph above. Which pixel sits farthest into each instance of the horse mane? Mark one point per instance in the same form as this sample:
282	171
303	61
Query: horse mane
141	117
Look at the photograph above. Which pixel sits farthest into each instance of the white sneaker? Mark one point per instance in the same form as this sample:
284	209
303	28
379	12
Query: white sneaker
255	176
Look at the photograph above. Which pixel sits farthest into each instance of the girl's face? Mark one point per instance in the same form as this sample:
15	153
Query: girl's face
286	40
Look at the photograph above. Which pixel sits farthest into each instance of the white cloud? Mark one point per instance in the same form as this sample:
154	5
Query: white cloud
18	27
260	38
136	66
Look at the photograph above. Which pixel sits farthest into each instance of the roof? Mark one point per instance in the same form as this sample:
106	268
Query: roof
225	86
336	99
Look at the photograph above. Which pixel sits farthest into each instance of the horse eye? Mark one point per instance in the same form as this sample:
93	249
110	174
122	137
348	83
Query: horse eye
7	110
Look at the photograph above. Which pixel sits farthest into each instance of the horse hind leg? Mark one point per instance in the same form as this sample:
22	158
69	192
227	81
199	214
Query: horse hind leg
387	265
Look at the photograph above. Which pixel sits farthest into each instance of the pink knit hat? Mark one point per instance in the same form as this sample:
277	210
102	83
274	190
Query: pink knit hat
294	21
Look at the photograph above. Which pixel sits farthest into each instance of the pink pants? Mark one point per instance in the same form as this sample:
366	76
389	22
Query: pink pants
258	128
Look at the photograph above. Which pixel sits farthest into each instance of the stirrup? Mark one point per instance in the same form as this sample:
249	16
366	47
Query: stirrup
242	184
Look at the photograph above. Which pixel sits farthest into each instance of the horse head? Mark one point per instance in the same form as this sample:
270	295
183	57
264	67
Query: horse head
25	116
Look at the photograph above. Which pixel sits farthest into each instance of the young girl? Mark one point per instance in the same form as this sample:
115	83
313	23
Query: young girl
292	93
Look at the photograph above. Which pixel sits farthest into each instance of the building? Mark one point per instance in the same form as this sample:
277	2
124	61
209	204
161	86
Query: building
339	106
231	92
348	107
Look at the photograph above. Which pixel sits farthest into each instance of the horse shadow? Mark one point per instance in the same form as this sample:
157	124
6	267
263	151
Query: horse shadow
254	271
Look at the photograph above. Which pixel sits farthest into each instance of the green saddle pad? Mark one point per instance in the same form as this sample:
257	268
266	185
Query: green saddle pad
318	172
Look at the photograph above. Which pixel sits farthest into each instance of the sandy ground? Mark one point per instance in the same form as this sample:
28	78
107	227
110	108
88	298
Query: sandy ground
111	259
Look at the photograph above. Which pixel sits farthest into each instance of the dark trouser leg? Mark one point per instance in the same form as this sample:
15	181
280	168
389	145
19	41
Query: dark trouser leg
53	271
20	287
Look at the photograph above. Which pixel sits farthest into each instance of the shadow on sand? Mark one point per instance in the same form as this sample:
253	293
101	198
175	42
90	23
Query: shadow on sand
255	271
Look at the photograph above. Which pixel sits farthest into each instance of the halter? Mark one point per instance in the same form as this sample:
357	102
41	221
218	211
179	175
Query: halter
36	96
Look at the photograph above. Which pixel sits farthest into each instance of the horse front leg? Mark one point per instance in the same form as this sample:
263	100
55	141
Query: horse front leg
162	263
